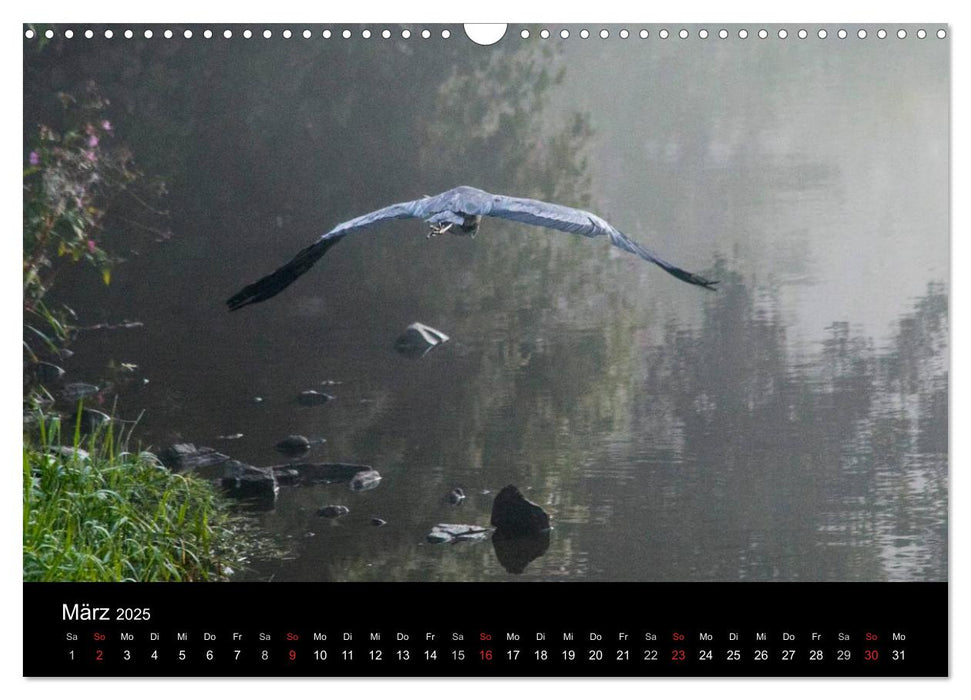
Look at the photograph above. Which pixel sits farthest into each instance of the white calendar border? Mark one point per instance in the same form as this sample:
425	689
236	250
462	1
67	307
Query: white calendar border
604	11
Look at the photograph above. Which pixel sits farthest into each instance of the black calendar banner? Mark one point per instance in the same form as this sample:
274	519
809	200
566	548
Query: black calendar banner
371	629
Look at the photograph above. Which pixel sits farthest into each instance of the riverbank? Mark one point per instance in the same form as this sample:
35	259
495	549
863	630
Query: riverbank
95	511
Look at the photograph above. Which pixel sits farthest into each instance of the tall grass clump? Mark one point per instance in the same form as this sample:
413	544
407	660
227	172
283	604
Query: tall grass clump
95	512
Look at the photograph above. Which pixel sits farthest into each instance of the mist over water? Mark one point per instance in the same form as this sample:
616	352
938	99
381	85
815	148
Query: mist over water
791	426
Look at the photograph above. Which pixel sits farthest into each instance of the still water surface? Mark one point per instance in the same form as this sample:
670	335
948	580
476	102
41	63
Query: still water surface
791	426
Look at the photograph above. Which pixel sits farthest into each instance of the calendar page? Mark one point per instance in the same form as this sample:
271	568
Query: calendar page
632	360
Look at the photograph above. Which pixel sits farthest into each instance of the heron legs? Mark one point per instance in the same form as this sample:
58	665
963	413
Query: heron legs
438	229
456	223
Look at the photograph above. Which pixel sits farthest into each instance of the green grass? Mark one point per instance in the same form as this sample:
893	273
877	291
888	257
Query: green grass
113	515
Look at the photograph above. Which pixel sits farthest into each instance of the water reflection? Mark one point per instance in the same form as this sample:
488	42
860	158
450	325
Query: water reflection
515	553
807	459
717	453
792	426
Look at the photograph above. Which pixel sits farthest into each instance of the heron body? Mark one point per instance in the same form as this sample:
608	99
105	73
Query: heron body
458	211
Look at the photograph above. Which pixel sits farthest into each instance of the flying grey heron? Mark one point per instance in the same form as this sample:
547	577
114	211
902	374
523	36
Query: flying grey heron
458	211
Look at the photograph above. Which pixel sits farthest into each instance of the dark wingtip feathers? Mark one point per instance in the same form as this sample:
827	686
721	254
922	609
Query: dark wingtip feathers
277	281
623	242
691	278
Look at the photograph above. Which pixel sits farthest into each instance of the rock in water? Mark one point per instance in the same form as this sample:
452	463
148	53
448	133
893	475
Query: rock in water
78	390
47	372
323	473
450	532
456	496
365	480
378	522
313	398
418	339
293	445
333	511
184	456
70	452
245	481
514	516
285	476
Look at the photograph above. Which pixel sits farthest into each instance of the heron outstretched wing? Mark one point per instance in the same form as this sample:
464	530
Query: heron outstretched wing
548	215
556	216
282	277
402	210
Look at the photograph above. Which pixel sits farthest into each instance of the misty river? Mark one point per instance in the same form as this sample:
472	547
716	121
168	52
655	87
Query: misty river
790	426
